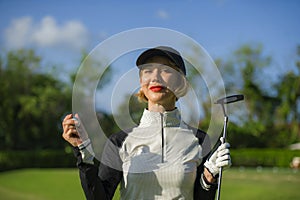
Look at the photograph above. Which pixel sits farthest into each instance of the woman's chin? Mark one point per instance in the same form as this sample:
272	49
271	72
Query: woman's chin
161	98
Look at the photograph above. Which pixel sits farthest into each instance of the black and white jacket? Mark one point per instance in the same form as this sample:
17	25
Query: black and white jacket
162	158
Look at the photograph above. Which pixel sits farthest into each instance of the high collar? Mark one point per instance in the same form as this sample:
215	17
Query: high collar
167	119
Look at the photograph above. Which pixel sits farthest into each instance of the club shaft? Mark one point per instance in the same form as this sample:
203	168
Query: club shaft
221	169
219	183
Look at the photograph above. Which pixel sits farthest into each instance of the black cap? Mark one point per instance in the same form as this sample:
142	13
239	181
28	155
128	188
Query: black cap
168	52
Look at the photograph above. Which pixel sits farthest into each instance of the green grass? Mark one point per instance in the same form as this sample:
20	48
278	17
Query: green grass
56	184
264	184
40	184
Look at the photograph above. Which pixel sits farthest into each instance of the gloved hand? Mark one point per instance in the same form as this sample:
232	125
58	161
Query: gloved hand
220	158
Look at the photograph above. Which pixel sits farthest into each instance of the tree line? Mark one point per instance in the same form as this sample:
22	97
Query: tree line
273	116
33	102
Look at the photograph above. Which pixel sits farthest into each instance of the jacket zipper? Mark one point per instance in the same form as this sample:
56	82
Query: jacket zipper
162	139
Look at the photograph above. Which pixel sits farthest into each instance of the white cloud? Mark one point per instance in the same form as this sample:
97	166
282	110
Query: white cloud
17	34
47	33
162	14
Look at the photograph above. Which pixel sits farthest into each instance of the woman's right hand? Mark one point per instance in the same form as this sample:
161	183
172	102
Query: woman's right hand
70	134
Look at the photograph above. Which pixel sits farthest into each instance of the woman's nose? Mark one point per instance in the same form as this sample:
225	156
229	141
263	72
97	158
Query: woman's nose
156	76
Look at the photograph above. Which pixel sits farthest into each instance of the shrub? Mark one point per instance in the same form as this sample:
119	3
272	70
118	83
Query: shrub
36	159
263	157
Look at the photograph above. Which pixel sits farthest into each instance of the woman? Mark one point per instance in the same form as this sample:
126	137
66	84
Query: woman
161	158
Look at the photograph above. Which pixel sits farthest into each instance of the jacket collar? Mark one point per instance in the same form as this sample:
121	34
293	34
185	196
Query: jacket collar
167	119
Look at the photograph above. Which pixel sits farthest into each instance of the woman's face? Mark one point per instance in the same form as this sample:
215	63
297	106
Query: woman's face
158	80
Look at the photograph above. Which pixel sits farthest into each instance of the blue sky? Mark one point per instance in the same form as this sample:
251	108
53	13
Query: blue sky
220	26
59	30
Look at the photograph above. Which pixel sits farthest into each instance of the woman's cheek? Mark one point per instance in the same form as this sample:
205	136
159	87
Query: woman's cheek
144	80
173	84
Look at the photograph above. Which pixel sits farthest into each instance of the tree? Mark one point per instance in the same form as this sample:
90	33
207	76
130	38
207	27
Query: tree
272	118
288	112
32	103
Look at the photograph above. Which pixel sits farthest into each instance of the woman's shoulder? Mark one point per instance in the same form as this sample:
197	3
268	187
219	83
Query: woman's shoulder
199	133
119	137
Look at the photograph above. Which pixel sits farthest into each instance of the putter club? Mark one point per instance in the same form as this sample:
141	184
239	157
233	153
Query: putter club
222	101
230	99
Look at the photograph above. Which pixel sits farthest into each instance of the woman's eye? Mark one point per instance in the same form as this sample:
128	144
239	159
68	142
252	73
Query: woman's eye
167	70
147	71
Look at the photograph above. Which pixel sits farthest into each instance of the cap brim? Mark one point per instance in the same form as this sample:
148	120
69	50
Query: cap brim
151	53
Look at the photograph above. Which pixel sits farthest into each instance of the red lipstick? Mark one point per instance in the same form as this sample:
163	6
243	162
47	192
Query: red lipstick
156	88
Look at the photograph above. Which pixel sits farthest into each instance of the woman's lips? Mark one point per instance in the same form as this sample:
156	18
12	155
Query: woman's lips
156	88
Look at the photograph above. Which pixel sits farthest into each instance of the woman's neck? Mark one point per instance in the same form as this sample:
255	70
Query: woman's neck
156	107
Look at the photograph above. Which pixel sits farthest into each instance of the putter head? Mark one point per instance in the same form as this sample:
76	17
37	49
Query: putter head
230	99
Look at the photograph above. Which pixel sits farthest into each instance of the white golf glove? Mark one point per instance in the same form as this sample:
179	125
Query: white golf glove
220	158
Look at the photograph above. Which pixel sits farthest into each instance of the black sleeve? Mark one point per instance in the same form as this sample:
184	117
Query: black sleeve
93	186
199	192
99	181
